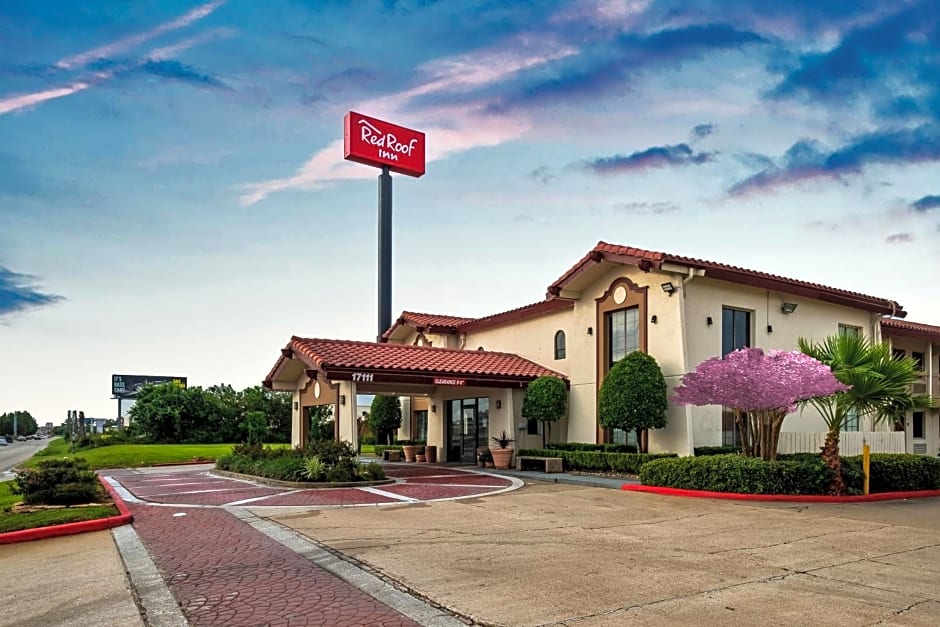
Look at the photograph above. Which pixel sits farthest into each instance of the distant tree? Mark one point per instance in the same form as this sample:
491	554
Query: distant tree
760	389
546	400
276	407
256	426
321	423
633	396
25	423
385	417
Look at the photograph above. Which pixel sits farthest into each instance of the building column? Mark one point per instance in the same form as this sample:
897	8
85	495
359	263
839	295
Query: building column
437	430
346	417
296	421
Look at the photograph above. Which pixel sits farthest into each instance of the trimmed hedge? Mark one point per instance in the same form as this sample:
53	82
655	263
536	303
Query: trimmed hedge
379	449
597	461
701	451
586	446
58	482
803	473
734	473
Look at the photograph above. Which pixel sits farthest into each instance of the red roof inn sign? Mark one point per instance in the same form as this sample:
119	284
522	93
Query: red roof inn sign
374	142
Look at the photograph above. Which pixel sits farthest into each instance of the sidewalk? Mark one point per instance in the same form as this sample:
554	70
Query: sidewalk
72	580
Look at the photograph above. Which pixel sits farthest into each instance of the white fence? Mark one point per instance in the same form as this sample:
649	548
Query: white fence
850	442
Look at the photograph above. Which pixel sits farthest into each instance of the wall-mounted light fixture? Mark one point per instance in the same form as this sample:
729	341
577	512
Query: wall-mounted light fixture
654	319
770	328
590	331
709	321
342	399
499	404
788	308
296	405
669	288
433	409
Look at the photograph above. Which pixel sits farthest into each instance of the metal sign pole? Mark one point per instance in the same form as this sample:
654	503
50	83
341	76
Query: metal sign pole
385	252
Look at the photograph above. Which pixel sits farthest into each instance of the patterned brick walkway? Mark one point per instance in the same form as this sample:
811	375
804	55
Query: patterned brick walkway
224	572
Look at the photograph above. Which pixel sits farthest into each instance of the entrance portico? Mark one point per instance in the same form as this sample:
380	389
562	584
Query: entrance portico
471	395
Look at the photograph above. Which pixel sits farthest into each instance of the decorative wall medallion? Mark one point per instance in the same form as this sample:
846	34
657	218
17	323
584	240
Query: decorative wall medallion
620	294
316	390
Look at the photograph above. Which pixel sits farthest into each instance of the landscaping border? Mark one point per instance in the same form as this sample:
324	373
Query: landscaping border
306	485
67	529
793	498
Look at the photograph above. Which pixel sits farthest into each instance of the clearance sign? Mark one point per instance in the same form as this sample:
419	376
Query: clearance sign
375	142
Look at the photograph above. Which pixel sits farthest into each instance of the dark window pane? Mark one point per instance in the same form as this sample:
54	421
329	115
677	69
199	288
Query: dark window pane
918	361
560	345
918	424
727	331
532	427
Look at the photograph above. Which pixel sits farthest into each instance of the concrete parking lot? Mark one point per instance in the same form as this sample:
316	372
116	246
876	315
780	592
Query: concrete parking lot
552	554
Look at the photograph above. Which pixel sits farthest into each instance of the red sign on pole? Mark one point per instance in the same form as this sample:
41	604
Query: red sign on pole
374	142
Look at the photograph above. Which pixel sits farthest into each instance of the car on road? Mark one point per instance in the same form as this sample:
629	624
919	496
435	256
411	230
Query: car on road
3	441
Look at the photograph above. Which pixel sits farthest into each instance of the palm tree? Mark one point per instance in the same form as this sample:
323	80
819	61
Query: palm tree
881	387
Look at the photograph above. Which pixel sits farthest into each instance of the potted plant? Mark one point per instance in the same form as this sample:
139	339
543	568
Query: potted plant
419	453
408	449
502	456
486	458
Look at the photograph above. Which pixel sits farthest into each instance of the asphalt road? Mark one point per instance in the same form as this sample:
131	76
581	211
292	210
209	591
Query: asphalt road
15	452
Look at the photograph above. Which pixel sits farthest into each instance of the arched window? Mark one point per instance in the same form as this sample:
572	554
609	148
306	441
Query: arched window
560	345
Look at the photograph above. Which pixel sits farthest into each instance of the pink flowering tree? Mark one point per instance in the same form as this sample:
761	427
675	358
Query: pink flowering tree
760	389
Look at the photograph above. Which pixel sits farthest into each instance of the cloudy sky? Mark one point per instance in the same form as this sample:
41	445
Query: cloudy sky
173	198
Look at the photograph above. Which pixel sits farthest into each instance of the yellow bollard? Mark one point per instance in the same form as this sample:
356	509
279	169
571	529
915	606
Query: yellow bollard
866	459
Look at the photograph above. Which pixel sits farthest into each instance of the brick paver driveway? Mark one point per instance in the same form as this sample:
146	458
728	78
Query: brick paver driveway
223	571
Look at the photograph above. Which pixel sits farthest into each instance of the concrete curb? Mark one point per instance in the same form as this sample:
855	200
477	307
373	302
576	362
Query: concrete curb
404	601
790	498
67	529
155	602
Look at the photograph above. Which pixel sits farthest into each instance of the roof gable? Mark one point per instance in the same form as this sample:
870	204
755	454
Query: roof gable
648	260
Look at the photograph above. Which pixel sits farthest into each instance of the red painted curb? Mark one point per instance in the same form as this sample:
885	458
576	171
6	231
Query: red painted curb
795	498
209	461
67	529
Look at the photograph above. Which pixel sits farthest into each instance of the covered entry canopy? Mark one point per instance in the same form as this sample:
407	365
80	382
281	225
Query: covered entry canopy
379	363
324	371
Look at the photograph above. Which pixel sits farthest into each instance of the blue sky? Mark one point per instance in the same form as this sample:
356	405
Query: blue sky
173	198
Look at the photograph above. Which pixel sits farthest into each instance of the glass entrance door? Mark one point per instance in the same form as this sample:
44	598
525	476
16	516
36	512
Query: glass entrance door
469	428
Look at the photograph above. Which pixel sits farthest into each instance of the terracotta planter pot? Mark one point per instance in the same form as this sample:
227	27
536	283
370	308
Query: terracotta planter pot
489	464
502	457
420	459
430	452
409	451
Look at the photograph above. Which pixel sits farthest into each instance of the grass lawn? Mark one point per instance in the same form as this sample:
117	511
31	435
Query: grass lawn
15	522
368	449
132	455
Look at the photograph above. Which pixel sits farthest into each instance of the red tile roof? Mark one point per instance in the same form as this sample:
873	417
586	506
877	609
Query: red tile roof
893	326
647	260
435	323
332	355
519	313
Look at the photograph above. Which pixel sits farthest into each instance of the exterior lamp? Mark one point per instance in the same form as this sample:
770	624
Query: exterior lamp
669	288
788	308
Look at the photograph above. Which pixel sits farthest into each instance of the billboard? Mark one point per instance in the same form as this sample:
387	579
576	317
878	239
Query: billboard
129	384
374	142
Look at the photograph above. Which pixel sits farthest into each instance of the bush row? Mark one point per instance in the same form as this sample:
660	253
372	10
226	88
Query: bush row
335	462
791	474
585	446
58	482
701	451
596	461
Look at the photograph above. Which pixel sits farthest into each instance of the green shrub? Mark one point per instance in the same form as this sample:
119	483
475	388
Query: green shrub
701	451
332	452
58	482
587	446
897	472
372	472
381	448
341	473
314	469
734	473
284	468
